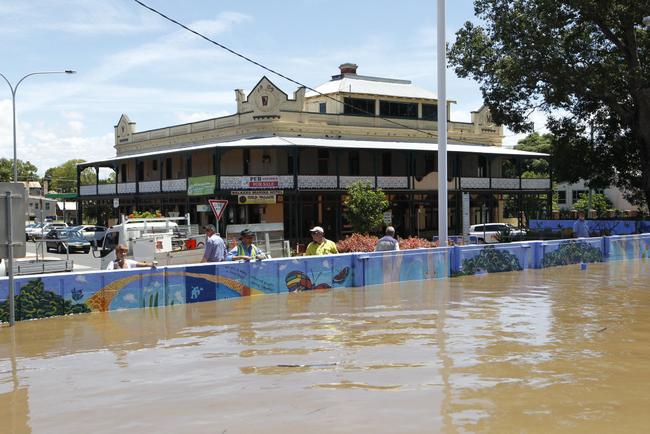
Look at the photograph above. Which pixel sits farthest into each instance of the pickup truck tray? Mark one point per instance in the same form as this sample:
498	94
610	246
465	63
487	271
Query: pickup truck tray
40	267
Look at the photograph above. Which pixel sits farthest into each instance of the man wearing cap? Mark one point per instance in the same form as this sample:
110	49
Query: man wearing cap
245	250
215	248
320	245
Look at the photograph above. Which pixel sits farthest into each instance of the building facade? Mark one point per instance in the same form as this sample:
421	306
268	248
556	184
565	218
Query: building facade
289	159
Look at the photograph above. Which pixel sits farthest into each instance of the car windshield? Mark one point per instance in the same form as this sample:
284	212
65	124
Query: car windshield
69	234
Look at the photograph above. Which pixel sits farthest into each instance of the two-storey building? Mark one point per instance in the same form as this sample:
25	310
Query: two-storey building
289	159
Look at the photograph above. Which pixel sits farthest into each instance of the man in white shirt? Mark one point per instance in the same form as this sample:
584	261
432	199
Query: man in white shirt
121	262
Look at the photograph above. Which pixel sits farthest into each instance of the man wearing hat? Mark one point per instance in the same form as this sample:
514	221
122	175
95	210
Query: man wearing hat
245	250
215	248
320	245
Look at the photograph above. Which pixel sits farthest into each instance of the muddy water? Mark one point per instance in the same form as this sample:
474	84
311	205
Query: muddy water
558	350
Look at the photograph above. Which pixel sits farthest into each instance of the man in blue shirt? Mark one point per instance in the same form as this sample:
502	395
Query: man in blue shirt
388	242
581	227
245	250
215	248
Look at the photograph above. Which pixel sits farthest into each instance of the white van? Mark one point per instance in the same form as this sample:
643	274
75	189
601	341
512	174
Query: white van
148	239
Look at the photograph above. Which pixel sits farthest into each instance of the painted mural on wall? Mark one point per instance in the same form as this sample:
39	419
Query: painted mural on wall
489	260
632	247
60	294
35	301
572	252
598	227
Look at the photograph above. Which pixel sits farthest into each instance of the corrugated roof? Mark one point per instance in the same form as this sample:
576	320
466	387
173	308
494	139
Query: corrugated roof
367	85
277	141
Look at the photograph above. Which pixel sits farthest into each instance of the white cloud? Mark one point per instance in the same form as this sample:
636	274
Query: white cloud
129	297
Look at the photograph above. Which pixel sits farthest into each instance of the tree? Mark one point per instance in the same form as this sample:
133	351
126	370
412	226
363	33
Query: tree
26	170
366	207
537	167
63	178
599	202
586	63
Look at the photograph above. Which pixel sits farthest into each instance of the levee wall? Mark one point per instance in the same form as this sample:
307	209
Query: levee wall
60	294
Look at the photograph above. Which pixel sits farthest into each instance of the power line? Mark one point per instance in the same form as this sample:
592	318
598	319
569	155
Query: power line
272	71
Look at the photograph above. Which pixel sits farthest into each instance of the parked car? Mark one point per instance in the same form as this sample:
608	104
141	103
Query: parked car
72	239
491	232
92	233
33	230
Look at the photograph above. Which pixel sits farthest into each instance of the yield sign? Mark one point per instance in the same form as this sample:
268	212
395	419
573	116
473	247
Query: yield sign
217	207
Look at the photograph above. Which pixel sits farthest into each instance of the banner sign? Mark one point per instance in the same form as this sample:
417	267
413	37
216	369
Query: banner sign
256	199
271	181
201	185
217	207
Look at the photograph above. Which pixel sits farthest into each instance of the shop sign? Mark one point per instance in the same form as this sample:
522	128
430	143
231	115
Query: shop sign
272	181
388	217
248	192
202	208
201	185
256	199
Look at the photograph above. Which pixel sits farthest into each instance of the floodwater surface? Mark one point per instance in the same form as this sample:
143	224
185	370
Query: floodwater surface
555	350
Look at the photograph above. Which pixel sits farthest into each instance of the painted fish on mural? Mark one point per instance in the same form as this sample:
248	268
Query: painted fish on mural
299	281
341	275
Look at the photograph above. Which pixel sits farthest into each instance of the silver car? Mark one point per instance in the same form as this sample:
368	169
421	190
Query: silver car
490	232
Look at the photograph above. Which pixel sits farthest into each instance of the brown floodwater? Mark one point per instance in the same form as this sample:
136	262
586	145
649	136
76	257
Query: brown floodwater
555	350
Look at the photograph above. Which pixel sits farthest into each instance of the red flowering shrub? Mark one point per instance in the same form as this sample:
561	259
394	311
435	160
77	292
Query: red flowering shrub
357	243
414	243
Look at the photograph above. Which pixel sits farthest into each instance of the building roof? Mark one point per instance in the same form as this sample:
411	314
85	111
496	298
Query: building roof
372	86
280	142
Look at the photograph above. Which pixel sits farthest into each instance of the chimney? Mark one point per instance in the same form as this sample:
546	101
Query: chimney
348	68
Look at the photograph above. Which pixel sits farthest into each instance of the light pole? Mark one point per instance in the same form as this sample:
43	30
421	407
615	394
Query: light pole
13	106
442	125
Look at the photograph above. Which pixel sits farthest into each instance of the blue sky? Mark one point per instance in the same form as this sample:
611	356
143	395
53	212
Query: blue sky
131	61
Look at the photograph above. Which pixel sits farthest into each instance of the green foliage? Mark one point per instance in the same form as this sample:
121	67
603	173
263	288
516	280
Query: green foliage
365	206
538	167
63	178
573	252
586	64
26	170
35	302
490	260
598	202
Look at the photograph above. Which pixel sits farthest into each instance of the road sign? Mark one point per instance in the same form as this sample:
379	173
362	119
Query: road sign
217	207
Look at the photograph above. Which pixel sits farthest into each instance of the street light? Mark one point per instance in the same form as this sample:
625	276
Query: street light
13	105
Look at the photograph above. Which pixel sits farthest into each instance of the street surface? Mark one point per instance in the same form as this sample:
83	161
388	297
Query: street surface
82	261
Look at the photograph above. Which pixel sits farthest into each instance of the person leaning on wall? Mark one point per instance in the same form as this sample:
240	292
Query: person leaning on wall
320	245
245	250
388	241
581	226
122	262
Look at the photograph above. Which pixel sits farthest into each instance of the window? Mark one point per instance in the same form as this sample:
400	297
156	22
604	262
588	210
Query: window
358	106
398	109
323	161
353	163
47	205
168	168
561	197
154	165
140	172
386	164
430	112
290	164
322	107
123	172
482	167
247	159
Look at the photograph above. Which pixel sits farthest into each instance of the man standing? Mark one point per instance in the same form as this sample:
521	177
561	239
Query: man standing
581	227
387	242
215	248
320	245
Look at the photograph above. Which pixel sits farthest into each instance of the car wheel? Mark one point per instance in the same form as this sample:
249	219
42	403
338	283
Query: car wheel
481	241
